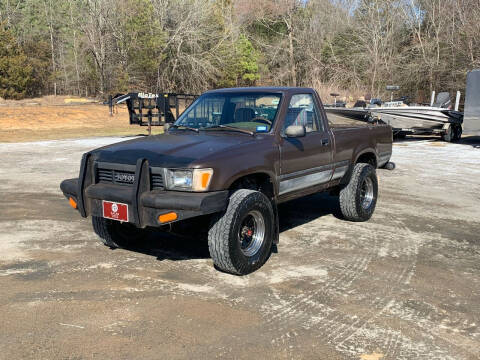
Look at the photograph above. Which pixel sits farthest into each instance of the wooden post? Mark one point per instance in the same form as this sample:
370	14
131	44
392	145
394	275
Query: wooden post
166	105
176	107
110	104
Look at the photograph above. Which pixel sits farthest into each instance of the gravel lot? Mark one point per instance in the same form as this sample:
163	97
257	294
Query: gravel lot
405	285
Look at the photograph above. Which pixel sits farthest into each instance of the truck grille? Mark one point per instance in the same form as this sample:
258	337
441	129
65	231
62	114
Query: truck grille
105	175
157	182
116	176
122	177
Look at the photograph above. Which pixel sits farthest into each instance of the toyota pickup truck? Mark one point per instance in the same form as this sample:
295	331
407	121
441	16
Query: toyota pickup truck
231	158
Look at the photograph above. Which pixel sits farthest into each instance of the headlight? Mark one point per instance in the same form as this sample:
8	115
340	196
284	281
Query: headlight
188	179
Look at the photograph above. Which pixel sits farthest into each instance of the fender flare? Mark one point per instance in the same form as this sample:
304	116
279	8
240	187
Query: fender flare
366	151
254	171
348	174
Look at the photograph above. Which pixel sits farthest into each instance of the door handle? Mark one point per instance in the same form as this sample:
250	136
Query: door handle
325	142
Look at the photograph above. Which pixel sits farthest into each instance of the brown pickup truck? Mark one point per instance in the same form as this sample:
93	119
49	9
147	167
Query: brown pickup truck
231	158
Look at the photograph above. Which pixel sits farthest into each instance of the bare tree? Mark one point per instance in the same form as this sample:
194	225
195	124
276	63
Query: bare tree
73	25
49	16
191	55
97	35
191	45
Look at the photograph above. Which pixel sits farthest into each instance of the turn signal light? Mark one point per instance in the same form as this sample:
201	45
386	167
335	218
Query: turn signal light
201	179
168	217
72	202
205	180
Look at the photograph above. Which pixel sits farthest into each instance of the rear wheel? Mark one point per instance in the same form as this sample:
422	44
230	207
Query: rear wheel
240	239
389	166
115	234
359	198
457	132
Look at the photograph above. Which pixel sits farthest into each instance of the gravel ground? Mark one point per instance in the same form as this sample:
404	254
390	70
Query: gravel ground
405	285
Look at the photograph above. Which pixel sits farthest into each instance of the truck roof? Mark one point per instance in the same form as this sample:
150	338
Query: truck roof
272	89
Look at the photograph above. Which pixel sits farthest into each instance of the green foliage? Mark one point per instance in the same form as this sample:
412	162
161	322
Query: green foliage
99	46
241	67
122	81
248	61
15	70
139	40
39	57
144	54
268	29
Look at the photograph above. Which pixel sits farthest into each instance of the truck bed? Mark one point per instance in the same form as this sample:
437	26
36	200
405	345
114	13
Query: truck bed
350	138
339	121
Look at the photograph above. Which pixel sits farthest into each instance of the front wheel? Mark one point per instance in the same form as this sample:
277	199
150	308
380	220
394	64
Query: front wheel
240	239
359	198
115	234
449	134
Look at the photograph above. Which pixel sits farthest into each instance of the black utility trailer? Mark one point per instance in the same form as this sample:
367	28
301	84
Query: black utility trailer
146	109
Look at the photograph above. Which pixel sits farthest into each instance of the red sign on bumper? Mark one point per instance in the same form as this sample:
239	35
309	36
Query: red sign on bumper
115	211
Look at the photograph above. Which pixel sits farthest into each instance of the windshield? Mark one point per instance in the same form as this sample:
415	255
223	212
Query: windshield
249	111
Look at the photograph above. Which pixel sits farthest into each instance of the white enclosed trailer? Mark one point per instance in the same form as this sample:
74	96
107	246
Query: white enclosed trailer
471	116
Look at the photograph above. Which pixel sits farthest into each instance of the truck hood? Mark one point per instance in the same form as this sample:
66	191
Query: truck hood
174	150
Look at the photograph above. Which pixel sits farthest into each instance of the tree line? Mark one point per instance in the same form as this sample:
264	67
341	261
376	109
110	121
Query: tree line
100	47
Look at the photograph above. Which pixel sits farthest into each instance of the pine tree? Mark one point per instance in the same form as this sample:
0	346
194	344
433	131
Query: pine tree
240	64
248	61
15	70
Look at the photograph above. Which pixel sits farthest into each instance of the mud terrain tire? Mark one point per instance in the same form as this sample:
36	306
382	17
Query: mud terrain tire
457	132
115	234
359	197
240	239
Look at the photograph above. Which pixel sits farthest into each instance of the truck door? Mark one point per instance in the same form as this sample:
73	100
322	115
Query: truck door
305	161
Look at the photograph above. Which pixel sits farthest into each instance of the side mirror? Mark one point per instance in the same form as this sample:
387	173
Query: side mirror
294	131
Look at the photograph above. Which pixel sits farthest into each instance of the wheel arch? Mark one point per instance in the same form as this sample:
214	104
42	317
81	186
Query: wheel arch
259	180
367	156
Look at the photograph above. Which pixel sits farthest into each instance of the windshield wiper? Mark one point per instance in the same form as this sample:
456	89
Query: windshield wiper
183	127
230	128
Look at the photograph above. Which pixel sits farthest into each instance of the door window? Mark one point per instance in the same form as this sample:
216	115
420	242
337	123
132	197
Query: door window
302	111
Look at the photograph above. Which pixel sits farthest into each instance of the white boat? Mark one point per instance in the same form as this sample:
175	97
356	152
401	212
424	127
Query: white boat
436	119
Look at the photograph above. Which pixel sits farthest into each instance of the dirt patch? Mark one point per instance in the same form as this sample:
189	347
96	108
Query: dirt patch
47	122
48	100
